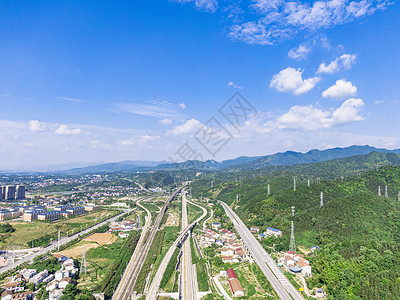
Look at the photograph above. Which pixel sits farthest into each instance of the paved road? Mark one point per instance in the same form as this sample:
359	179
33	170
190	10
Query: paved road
122	286
155	284
139	259
63	240
187	278
282	286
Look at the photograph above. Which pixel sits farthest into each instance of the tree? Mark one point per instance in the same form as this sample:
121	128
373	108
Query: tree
42	294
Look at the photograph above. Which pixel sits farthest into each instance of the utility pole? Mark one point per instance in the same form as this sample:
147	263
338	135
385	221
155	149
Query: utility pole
322	200
292	246
398	197
294	183
386	191
237	198
379	191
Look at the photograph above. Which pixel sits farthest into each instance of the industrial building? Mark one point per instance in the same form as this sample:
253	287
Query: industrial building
234	283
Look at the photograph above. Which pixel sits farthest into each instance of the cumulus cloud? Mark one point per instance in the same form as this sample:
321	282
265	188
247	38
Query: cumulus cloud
345	61
206	5
35	125
165	121
182	105
341	89
290	80
64	130
189	126
299	52
312	118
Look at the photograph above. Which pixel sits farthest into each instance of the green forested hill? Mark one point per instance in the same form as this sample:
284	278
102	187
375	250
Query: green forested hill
358	231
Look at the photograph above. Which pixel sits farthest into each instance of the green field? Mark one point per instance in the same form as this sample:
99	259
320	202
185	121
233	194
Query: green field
25	232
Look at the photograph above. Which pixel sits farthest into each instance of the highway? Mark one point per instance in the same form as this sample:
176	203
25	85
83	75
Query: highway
53	246
128	281
282	286
155	284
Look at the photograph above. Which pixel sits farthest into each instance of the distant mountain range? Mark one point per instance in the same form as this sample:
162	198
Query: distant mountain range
239	163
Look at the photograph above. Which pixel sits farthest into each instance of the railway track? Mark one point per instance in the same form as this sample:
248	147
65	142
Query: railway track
128	281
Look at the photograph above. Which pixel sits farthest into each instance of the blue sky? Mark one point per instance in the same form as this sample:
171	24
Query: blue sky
85	82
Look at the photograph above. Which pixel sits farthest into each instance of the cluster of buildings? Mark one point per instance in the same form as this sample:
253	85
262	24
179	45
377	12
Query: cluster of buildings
231	250
17	211
12	192
40	212
62	277
55	283
122	227
296	263
269	232
32	213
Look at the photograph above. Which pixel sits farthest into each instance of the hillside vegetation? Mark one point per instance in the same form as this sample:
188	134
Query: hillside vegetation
358	231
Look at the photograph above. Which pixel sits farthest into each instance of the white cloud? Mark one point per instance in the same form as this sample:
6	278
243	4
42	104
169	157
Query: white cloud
189	126
64	130
279	20
35	125
70	99
160	110
165	121
182	105
232	84
379	102
299	52
290	80
312	118
206	5
341	89
345	61
148	138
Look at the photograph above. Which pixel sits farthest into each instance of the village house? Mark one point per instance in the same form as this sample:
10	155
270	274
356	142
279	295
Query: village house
55	295
229	259
254	229
64	282
272	231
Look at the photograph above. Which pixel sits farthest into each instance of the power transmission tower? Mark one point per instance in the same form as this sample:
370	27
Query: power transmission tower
386	191
379	191
308	182
292	246
58	241
237	198
269	189
294	183
398	197
293	211
322	200
83	262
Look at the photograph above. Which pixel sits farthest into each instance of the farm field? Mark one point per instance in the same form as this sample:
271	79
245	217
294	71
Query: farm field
26	232
93	241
